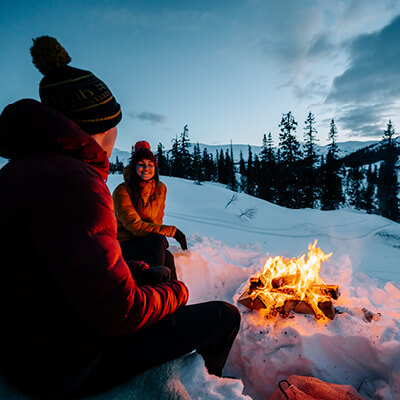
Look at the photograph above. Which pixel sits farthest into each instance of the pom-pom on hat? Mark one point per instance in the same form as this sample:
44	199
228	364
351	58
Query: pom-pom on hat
142	145
142	152
76	93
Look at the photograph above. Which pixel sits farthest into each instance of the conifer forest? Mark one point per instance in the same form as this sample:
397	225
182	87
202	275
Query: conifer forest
293	175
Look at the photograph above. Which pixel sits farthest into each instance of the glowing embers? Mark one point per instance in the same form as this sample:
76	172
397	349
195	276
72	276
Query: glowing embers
287	285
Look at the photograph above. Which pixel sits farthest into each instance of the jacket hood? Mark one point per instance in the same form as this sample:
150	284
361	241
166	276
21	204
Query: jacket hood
29	127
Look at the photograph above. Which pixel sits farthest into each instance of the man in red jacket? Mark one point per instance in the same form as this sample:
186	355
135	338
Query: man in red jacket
74	319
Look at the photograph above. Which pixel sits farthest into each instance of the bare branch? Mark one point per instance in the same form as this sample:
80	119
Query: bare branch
232	200
248	213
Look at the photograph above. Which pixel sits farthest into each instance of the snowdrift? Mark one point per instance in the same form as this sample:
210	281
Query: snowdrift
227	245
225	249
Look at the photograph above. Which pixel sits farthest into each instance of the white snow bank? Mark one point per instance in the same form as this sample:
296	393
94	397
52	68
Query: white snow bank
183	379
348	350
225	250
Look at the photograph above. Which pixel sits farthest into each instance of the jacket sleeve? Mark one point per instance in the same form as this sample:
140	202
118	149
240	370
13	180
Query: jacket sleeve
74	233
127	214
163	196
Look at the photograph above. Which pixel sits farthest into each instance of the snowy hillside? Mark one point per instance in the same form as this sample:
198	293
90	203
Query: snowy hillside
225	250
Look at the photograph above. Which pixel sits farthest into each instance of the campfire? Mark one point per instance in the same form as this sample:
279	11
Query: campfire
287	285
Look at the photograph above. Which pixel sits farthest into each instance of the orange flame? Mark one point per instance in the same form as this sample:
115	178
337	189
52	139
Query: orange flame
291	279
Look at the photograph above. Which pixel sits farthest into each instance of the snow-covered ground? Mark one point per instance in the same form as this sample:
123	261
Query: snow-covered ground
226	249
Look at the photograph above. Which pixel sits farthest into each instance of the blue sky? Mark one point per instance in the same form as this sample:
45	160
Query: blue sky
228	69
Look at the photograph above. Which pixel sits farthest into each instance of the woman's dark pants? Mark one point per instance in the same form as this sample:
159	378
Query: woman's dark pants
210	328
151	249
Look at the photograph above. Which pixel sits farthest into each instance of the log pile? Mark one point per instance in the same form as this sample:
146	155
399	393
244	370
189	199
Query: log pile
258	296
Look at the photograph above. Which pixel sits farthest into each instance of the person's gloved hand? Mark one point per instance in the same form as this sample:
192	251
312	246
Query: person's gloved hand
181	239
137	266
153	275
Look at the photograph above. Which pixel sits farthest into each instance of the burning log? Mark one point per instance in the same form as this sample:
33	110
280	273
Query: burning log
298	306
287	285
280	282
303	307
331	291
285	280
327	308
252	304
283	284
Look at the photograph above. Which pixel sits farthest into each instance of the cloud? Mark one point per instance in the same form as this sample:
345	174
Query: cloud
279	27
374	71
316	88
363	120
321	46
368	91
149	117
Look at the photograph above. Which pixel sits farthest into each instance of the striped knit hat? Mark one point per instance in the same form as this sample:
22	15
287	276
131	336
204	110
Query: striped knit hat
76	93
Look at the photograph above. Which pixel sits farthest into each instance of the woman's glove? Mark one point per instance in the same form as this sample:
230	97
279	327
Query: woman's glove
137	266
181	239
153	276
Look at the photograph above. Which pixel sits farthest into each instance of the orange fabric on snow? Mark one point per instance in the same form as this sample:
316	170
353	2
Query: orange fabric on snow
310	388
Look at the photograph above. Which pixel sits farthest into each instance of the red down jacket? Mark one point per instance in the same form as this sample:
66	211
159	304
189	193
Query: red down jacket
64	286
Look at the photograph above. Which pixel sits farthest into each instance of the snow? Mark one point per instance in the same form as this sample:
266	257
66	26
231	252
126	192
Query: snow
225	250
183	379
3	162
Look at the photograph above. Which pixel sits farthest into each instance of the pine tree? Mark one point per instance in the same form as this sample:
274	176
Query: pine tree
250	186
176	165
290	153
264	148
331	185
265	179
185	154
227	166
355	188
221	167
288	143
231	172
310	157
256	173
388	134
117	167
196	165
162	160
369	195
243	173
333	149
207	166
213	168
388	185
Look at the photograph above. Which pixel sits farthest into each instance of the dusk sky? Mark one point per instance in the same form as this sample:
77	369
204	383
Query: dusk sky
228	69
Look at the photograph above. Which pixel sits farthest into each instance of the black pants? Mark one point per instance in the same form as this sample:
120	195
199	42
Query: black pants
152	249
210	328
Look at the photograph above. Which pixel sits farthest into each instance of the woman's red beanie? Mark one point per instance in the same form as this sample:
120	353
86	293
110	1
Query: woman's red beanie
141	152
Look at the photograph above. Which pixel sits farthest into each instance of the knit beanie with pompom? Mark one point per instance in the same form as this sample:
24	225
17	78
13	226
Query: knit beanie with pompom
78	94
142	152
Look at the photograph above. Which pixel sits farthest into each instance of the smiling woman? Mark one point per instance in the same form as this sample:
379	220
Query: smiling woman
145	169
139	208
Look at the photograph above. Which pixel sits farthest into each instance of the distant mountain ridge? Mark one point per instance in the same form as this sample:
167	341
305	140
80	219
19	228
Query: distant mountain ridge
345	148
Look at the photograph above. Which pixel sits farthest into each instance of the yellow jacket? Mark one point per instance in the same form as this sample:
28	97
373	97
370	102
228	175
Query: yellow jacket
147	216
